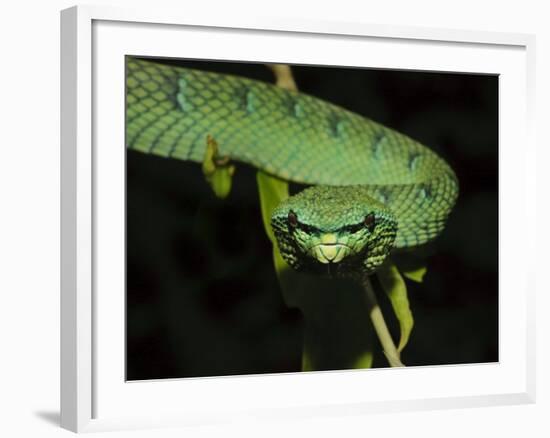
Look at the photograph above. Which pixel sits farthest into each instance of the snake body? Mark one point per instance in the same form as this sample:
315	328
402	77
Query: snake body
374	189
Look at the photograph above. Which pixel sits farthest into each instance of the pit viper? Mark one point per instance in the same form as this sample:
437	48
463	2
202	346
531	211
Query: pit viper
372	190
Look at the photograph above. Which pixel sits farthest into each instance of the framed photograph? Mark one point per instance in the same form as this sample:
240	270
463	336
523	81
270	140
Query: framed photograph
266	218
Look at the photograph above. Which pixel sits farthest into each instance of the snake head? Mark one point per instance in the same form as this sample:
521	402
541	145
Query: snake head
339	231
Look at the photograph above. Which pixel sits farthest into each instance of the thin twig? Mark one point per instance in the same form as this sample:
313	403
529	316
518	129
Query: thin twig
390	351
283	76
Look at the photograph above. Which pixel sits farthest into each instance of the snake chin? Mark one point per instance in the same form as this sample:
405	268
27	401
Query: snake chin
329	253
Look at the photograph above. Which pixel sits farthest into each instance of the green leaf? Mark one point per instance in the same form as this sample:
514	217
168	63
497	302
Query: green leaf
412	264
307	365
364	361
220	181
393	284
218	172
416	274
272	192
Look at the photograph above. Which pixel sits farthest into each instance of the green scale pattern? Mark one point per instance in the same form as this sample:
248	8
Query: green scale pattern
170	111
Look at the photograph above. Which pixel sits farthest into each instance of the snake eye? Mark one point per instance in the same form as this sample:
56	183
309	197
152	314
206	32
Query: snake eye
292	219
370	222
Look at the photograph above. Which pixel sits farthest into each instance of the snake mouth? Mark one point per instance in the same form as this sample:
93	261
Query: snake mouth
329	252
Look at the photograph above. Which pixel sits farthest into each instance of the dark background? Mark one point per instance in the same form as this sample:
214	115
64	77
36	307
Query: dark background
202	296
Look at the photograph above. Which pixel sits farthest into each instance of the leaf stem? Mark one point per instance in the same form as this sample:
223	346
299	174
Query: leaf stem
283	76
390	351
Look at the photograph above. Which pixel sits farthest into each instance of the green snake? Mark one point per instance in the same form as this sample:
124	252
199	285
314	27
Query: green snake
373	190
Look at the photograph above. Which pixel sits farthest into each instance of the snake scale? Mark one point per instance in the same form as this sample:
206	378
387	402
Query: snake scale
373	189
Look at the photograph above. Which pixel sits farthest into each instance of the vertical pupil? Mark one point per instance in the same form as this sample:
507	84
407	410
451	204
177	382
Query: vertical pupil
292	219
369	221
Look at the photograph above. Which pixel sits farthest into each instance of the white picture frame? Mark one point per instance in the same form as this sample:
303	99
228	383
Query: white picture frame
92	392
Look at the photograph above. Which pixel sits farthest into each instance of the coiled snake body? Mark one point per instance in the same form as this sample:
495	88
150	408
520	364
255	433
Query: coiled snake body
374	189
